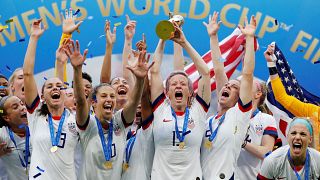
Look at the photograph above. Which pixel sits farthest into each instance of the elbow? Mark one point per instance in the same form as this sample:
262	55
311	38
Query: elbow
27	74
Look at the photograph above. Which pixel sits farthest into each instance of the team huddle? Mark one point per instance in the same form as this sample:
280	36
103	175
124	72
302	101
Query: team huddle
137	127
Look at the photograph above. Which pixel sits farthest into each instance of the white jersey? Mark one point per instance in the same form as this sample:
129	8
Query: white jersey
171	162
141	159
11	162
277	166
94	159
45	164
219	162
3	172
248	165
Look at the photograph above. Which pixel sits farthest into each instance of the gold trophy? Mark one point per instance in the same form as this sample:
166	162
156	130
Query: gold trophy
165	29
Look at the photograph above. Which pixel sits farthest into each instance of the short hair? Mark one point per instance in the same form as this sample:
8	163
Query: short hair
13	75
85	76
3	77
178	72
263	89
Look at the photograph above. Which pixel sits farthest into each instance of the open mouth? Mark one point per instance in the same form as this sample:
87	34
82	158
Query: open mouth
297	146
225	94
107	107
122	91
178	95
24	115
55	96
22	89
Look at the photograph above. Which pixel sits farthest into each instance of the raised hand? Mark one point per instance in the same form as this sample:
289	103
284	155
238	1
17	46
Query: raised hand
178	35
249	29
68	22
213	26
61	56
110	36
73	52
36	29
140	70
130	28
142	44
269	52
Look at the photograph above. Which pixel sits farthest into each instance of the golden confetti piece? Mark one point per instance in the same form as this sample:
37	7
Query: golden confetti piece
117	24
4	27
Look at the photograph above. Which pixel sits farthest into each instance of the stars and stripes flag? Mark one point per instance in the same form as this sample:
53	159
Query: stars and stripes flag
282	116
232	50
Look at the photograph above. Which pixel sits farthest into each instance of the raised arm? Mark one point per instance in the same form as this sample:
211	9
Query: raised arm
156	79
249	61
140	71
105	75
73	52
292	104
204	85
127	55
30	86
178	59
68	27
212	28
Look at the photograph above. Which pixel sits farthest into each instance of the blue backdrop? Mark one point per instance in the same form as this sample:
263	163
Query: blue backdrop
293	24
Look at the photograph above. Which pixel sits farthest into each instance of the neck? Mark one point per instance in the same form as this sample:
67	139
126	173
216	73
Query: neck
104	121
19	131
222	110
298	161
56	111
179	108
120	104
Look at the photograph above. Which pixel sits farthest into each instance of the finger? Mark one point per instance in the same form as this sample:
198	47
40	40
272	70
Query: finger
205	24
85	52
151	65
141	57
62	17
143	38
78	24
253	21
70	13
65	50
69	49
219	23
66	13
148	58
215	16
73	46
130	68
210	18
127	18
78	45
114	30
246	21
240	27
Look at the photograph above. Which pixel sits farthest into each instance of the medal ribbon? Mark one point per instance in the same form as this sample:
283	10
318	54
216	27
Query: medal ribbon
214	133
306	167
129	147
185	124
106	147
55	141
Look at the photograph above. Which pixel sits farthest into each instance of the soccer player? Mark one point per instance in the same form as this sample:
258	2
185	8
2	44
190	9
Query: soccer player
226	131
178	128
15	136
103	136
260	138
296	160
53	128
4	90
17	84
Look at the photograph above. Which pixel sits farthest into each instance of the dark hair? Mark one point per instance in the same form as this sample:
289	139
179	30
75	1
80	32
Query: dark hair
43	111
2	110
4	77
263	90
85	76
95	90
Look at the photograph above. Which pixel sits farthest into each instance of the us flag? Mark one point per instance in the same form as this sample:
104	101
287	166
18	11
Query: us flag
232	50
283	116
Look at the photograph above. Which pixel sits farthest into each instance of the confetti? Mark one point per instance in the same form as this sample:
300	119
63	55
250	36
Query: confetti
77	12
276	22
316	62
4	27
117	24
45	78
102	36
66	83
21	40
143	8
91	56
40	169
89	44
299	50
84	63
115	16
3	87
90	17
61	89
9	21
8	68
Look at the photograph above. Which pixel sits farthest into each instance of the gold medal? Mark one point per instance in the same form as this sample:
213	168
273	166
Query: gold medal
54	149
208	144
27	171
107	164
181	145
125	166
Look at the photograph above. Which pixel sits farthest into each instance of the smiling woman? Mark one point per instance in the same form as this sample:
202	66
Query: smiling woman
296	160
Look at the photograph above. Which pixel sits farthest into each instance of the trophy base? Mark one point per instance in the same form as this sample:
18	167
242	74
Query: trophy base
164	29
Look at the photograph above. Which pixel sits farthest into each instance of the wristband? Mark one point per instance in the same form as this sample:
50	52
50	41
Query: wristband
273	71
271	64
64	36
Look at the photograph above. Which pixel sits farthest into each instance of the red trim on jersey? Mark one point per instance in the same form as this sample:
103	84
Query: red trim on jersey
272	131
245	108
33	105
179	113
160	99
218	116
298	168
57	118
260	177
204	105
